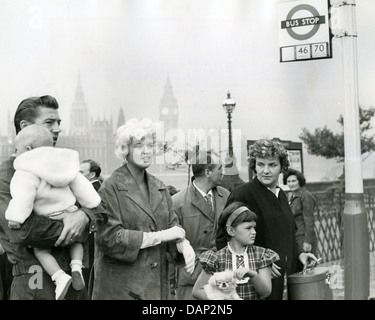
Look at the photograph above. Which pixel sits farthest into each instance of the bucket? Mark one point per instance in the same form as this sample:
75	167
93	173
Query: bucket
311	285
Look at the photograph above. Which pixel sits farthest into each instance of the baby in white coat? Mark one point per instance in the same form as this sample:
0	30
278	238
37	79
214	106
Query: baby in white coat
47	181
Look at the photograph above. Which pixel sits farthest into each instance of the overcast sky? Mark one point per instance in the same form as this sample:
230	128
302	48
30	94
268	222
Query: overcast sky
124	51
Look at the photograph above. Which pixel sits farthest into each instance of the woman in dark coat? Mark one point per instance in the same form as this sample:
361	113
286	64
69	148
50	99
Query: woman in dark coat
131	257
303	205
275	224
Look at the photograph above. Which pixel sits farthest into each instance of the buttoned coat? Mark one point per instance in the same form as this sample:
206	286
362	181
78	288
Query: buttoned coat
124	271
200	224
303	205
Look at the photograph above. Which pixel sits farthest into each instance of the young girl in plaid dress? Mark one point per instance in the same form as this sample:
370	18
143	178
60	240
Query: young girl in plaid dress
251	264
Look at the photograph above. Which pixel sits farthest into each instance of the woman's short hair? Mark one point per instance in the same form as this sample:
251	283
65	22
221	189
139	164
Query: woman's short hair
292	172
132	129
264	148
246	216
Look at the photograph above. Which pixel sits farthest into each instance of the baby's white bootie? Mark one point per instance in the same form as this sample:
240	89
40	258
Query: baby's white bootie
78	281
62	282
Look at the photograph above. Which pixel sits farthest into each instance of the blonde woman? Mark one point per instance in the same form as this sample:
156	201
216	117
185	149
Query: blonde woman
131	258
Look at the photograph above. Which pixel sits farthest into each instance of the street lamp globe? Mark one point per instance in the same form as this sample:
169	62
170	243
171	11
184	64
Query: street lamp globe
229	104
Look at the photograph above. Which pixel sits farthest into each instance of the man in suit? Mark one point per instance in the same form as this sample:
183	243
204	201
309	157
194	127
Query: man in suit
198	208
91	170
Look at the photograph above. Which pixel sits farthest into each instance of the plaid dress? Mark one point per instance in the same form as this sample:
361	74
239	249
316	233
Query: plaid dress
217	261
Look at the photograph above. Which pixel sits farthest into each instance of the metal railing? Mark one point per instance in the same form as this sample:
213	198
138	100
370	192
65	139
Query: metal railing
329	223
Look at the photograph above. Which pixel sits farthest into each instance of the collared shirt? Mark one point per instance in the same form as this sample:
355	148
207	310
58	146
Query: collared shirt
204	194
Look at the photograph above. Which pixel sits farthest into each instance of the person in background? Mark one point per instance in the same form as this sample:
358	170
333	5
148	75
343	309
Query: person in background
91	170
131	260
198	207
275	220
47	181
303	205
39	231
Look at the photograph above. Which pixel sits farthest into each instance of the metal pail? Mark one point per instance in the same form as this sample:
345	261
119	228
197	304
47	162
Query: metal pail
312	285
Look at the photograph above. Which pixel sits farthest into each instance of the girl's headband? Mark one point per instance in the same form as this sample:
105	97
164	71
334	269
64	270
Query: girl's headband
235	214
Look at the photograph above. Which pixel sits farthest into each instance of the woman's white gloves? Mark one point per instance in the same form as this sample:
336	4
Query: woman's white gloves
151	239
174	233
187	250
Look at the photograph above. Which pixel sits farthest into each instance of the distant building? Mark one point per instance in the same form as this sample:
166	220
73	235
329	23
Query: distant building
168	108
92	139
95	139
168	116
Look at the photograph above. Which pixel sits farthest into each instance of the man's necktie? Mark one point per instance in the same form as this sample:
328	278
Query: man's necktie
209	200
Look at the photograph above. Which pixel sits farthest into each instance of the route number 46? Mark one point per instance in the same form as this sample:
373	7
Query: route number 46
303	51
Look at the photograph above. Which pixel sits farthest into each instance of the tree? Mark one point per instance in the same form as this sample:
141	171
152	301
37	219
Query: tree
181	159
323	142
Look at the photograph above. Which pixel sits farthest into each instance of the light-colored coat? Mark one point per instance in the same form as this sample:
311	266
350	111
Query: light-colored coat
124	271
47	180
200	224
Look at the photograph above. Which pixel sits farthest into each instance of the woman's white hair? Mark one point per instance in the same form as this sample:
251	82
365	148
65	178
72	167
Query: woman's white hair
132	129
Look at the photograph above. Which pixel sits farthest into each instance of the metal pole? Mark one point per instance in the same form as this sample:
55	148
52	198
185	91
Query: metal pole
356	241
230	134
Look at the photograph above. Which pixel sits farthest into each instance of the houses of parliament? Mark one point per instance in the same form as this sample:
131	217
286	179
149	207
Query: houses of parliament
95	139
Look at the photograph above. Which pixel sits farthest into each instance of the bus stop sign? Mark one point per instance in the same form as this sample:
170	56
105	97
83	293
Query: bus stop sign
304	30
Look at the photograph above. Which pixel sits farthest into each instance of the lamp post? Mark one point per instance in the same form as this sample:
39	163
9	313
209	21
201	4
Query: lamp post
228	105
231	174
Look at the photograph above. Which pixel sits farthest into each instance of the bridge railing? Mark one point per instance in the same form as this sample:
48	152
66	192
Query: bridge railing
329	221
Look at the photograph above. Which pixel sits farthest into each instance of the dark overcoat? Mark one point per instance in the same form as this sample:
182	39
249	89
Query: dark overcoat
124	271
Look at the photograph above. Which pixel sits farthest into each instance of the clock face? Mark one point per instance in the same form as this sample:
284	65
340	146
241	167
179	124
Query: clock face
165	111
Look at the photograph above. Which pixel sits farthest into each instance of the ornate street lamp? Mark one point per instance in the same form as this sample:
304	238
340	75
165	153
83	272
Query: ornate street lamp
228	105
231	175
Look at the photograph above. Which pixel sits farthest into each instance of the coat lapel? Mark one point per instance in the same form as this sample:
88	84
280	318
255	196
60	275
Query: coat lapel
133	192
198	201
154	187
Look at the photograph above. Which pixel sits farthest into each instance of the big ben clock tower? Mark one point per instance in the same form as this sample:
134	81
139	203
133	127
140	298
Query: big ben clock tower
168	108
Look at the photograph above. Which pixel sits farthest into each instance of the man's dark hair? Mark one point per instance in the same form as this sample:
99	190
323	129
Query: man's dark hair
28	109
94	167
203	162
